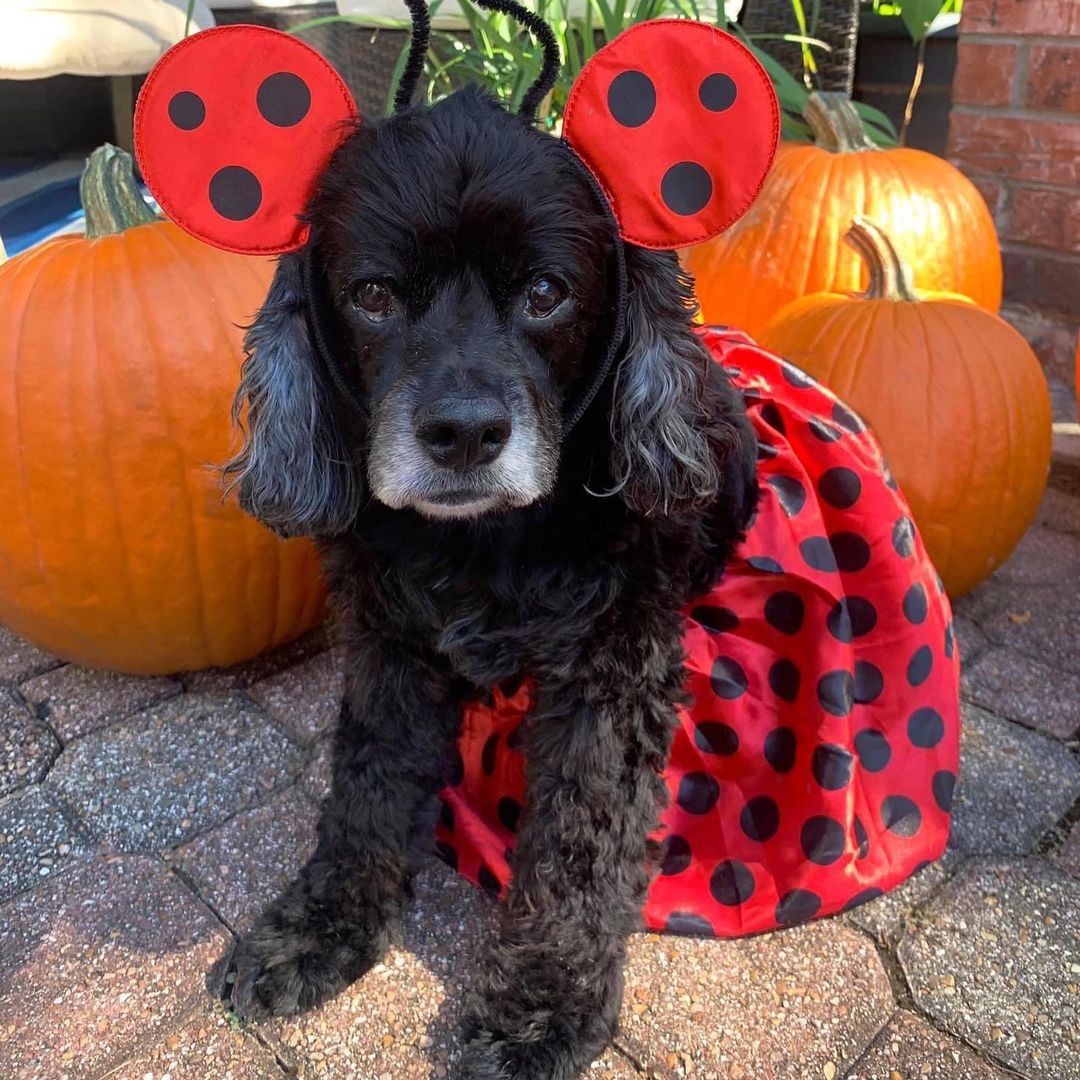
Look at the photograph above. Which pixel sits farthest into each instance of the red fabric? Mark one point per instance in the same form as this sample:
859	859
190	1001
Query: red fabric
254	102
666	107
815	766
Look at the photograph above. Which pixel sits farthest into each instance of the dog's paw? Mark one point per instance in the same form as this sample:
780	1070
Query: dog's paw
490	1055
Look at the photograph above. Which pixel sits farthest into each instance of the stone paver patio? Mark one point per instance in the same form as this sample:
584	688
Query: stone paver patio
144	821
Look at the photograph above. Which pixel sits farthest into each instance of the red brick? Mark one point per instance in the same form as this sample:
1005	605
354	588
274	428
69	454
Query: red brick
1045	218
1043	280
1054	78
1016	148
1058	17
993	191
984	73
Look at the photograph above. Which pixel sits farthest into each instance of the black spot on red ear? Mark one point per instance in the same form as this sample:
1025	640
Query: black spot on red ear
916	605
728	678
760	818
861	839
698	793
925	728
863	897
847	419
686	922
235	192
822	840
785	611
718	92
676	857
187	110
716	737
901	816
873	750
840	487
790	493
718	620
851	550
631	98
686	188
797	906
780	746
869	682
765	564
836	692
831	765
795	375
732	883
784	679
903	537
943	785
283	99
509	811
920	665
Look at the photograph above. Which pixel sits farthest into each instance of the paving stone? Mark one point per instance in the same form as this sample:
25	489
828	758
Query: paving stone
318	774
400	1020
1042	558
1041	623
986	601
95	964
792	1005
1060	511
909	1047
173	771
76	700
970	640
997	962
1020	688
1013	787
887	916
27	746
36	841
1067	857
240	866
207	1046
305	699
241	676
20	660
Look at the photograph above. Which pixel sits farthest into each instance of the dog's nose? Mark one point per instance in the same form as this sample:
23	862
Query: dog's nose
462	432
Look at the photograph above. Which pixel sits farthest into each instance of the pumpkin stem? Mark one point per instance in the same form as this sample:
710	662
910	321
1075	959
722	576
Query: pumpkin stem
836	125
109	194
890	276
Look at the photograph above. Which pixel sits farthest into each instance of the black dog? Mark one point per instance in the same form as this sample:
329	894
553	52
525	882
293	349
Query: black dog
466	268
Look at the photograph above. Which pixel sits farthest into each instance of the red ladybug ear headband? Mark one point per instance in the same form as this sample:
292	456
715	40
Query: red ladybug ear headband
676	121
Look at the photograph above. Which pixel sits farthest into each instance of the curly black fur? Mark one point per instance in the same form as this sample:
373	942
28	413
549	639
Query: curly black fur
578	586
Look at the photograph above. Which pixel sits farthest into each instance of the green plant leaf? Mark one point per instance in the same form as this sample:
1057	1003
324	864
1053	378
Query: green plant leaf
917	15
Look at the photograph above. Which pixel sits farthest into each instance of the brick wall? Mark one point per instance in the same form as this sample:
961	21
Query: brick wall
1015	130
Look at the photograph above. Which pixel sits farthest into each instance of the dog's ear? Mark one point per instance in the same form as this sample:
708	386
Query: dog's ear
664	455
294	472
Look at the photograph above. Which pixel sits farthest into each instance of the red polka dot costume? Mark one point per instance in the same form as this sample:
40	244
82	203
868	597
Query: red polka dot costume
814	767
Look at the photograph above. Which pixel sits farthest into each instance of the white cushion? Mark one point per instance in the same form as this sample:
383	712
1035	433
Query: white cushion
90	37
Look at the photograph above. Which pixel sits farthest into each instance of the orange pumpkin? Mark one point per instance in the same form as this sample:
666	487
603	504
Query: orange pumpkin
119	355
955	395
788	245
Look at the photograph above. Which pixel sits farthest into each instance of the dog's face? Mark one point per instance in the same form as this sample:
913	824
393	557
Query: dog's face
467	259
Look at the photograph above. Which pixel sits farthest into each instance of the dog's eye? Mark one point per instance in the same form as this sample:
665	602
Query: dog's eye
373	298
544	296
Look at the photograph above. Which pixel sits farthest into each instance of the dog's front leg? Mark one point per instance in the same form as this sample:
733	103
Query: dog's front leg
330	925
595	749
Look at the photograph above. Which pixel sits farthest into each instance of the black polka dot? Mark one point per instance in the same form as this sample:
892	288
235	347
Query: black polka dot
456	772
873	750
509	811
771	415
920	665
186	110
446	853
487	755
728	678
283	99
824	431
836	692
488	881
676	857
861	839
732	883
869	682
760	818
925	728
779	749
698	793
784	679
765	564
785	611
718	620
852	552
797	906
235	192
446	815
686	188
944	784
686	922
903	537
718	92
863	897
851	617
715	737
915	604
631	98
950	641
901	816
789	493
818	553
822	840
831	766
890	480
847	419
840	487
766	451
795	375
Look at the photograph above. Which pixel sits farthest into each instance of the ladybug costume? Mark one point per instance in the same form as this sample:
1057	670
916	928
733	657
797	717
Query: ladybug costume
813	766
